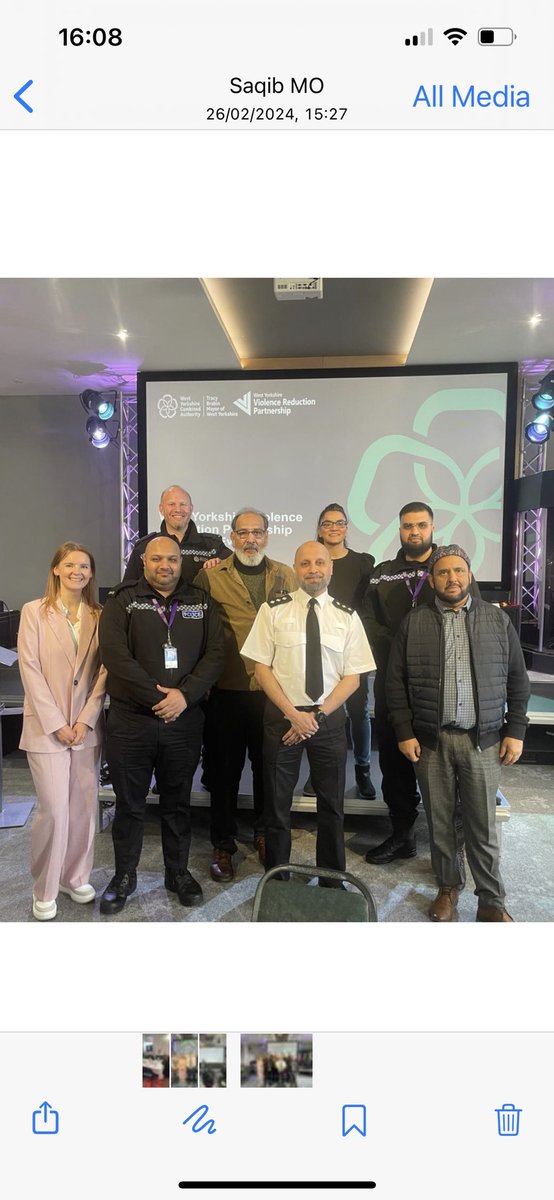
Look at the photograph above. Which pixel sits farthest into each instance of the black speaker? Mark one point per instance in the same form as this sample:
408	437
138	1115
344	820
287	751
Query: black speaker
9	625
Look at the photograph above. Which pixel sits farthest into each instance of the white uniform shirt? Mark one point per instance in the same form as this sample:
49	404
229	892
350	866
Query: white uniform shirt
278	640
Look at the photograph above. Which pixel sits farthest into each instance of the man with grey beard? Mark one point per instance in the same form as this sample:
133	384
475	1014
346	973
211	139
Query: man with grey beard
309	650
234	718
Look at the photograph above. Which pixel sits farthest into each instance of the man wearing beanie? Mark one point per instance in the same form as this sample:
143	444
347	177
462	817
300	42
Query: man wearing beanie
457	691
396	586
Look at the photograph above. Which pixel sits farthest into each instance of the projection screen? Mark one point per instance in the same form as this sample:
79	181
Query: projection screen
290	443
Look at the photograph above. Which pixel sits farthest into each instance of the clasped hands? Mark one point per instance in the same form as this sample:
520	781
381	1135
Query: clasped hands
172	705
72	735
302	726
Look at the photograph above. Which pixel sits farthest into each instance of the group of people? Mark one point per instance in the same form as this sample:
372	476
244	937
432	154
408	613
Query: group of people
229	650
275	1070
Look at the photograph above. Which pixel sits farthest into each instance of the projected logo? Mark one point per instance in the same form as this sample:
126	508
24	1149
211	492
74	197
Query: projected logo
244	403
431	472
167	406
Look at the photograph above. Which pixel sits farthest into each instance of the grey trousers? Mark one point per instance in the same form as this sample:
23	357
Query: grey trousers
457	769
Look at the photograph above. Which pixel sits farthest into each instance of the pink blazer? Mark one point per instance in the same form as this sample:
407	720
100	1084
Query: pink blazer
60	688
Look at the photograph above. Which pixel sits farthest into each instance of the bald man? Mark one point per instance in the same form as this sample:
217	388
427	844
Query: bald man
161	640
309	650
196	549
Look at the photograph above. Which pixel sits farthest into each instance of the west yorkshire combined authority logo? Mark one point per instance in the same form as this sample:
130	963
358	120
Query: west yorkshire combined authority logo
167	406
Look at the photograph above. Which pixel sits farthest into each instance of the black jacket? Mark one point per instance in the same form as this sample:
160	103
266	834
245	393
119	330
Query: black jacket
350	579
195	549
132	636
414	685
391	595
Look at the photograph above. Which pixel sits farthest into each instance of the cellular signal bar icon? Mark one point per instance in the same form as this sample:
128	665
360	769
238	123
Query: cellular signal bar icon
420	39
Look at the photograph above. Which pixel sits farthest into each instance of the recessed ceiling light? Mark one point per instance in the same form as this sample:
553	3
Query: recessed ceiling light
535	320
123	334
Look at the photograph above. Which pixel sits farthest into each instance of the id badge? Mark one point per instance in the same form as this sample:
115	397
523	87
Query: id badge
170	658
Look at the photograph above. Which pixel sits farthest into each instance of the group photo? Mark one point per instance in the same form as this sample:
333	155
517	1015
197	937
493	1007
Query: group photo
280	646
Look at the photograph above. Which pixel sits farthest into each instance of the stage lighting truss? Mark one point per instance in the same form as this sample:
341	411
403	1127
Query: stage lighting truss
129	475
543	400
528	590
103	421
539	429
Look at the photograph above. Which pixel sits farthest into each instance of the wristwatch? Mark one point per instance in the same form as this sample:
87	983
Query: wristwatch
320	717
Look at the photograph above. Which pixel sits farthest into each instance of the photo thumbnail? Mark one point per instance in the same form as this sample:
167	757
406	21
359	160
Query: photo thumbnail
282	646
276	1060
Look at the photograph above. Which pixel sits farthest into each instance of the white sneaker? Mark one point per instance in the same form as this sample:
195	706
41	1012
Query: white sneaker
81	895
44	910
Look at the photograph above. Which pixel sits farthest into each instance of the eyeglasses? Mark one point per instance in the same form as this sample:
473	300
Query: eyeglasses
246	533
330	524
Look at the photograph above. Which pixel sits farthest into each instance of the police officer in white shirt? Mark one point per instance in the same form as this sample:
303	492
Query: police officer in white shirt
309	651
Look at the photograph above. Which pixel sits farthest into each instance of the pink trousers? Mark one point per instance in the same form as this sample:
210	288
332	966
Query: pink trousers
62	836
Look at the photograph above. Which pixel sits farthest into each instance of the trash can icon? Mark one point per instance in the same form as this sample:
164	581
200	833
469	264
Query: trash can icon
508	1120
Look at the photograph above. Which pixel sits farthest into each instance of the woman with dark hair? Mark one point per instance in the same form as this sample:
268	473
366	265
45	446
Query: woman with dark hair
351	572
64	685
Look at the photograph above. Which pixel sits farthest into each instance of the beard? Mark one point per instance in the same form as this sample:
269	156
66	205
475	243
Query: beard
252	559
314	587
417	548
454	597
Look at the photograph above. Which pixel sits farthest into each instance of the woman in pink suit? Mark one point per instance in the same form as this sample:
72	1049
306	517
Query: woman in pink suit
64	686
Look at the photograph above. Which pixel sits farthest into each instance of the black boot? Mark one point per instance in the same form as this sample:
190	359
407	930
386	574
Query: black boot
117	892
364	783
399	845
187	889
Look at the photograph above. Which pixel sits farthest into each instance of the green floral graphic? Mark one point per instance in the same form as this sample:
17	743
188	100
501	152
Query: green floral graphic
421	454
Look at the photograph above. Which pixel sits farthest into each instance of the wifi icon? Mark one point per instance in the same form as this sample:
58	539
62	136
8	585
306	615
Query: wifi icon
455	35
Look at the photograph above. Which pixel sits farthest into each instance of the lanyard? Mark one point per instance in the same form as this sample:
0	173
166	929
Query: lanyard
167	620
414	593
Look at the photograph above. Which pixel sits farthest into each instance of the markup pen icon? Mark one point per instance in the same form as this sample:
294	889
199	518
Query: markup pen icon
200	1120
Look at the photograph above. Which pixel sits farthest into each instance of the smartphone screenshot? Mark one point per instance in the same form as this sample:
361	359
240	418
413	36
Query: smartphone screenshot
276	640
270	1113
277	66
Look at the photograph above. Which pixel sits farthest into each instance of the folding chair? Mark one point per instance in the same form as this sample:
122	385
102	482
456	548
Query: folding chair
290	900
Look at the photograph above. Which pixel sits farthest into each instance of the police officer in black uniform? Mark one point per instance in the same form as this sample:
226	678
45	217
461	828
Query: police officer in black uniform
161	640
196	548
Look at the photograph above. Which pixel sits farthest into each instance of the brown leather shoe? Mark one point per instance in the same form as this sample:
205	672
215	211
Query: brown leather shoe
488	912
259	845
221	869
445	905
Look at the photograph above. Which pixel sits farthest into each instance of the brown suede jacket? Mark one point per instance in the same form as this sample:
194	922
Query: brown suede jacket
225	585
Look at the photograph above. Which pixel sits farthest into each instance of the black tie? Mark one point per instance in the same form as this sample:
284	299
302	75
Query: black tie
314	668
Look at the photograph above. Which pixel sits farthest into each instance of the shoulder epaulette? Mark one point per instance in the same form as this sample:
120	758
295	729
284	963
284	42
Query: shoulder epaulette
282	598
119	586
344	607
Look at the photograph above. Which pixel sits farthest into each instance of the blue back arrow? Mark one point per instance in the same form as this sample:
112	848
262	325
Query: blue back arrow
19	95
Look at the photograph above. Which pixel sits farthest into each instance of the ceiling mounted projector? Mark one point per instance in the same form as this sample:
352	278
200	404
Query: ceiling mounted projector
298	289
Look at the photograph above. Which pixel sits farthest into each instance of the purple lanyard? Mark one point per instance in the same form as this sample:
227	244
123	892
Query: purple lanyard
167	620
415	593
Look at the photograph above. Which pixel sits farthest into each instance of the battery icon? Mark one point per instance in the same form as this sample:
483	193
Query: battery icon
496	37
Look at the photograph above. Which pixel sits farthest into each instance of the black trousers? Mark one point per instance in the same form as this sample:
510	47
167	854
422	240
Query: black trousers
399	781
137	745
234	728
326	752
